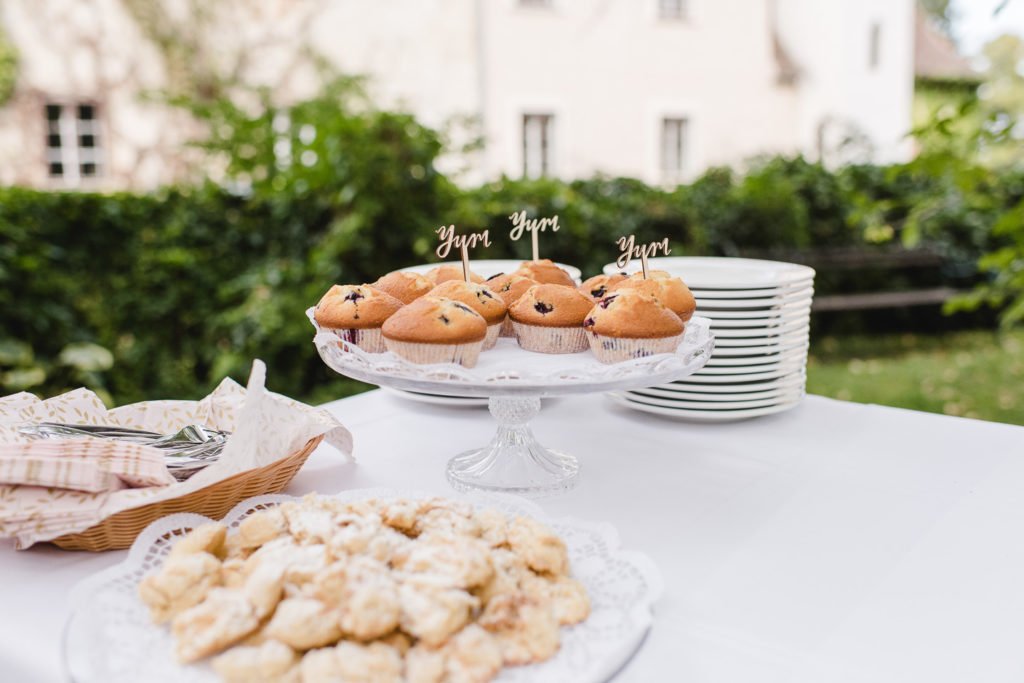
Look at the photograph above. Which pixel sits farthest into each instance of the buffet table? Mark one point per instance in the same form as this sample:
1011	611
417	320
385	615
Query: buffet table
834	542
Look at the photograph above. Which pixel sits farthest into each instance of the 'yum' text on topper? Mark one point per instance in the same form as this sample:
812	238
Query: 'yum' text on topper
533	226
446	234
630	250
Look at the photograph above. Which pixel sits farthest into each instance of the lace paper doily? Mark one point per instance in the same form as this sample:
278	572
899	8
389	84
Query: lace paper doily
110	638
508	368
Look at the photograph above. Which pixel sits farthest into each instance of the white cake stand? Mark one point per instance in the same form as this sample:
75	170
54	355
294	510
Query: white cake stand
514	381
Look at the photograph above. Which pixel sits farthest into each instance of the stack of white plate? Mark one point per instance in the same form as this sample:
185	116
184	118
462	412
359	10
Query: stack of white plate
760	314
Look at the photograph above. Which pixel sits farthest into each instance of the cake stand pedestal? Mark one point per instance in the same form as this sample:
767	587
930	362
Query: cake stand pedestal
514	381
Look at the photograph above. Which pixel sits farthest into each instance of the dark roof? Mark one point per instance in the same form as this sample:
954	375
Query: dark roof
935	55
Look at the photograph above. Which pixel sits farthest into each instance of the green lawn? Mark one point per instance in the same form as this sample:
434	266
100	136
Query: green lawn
970	374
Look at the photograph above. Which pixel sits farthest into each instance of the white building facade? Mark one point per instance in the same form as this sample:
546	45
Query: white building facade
654	89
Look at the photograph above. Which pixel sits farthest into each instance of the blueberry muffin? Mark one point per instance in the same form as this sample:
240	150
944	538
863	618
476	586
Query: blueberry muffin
664	287
549	319
630	324
598	286
481	299
451	271
432	330
404	285
509	287
356	314
545	272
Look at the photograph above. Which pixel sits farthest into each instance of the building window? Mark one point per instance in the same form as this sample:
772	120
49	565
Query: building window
73	148
673	147
537	131
535	3
875	46
672	9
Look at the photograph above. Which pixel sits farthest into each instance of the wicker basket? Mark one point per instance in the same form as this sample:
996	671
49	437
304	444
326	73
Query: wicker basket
120	529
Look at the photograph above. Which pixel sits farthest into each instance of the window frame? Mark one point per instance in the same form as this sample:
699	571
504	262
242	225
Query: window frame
680	13
70	126
682	124
546	121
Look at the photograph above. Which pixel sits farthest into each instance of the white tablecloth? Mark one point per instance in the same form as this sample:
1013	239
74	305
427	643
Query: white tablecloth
835	542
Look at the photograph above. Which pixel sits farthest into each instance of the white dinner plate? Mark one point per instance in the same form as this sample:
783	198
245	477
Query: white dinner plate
799	361
437	399
764	349
777	384
704	272
701	415
714	400
725	378
796	335
726	294
788	311
758	304
487	268
717	361
727	328
677	404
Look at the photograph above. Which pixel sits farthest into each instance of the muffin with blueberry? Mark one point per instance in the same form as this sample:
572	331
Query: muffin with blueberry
404	285
450	271
549	319
509	287
664	287
599	286
630	324
481	299
545	272
356	314
433	330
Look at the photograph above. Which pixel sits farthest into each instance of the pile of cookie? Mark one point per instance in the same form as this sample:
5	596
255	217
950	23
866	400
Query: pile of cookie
451	316
407	590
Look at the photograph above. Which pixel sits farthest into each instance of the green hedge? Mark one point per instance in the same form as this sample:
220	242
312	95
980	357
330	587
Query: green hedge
149	296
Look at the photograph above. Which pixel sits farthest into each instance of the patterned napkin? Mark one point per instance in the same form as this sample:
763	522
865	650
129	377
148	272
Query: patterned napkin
264	427
90	465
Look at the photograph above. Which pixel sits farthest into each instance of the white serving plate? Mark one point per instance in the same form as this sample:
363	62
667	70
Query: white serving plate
677	404
787	311
701	415
110	638
799	361
726	378
750	328
797	335
747	361
781	393
704	272
487	268
764	303
763	349
720	402
437	399
727	294
777	384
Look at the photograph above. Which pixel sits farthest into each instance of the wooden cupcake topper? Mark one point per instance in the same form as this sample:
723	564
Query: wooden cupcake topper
630	250
448	238
520	223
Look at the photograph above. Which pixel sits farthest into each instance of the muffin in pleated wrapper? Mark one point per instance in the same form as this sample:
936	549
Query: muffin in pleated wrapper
509	287
355	313
665	287
481	299
630	324
549	319
434	330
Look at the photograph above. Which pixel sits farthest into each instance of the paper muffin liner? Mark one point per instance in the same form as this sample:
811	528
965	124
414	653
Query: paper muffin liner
507	329
369	339
617	349
425	354
493	332
550	339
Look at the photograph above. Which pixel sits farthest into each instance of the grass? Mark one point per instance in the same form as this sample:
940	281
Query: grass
970	374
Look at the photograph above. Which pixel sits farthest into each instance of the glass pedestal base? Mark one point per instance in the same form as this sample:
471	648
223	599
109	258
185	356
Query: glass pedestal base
514	461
